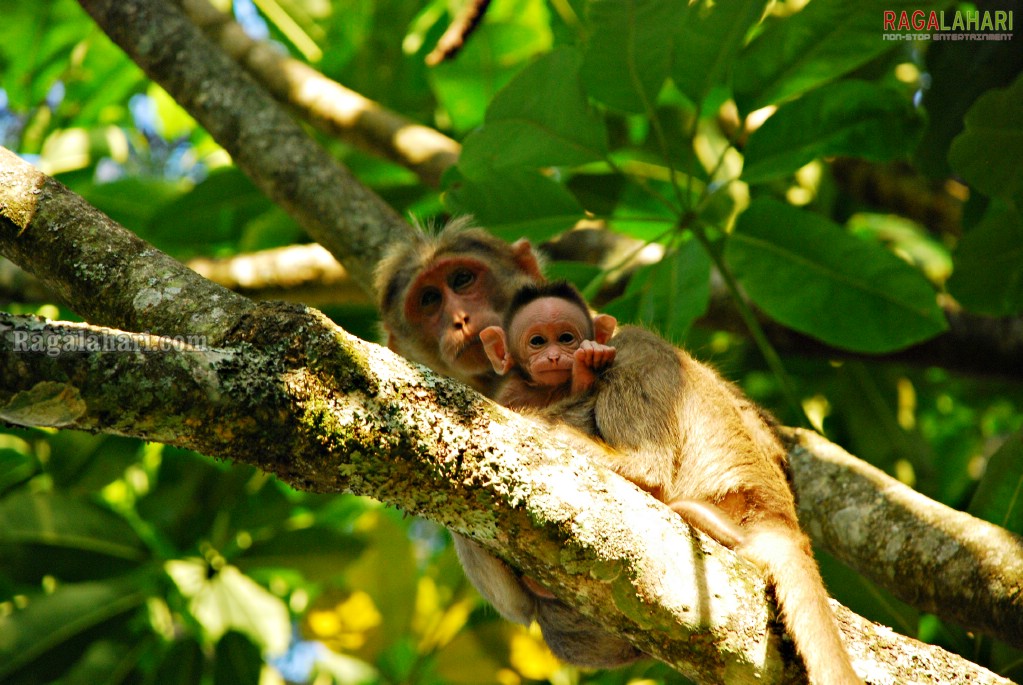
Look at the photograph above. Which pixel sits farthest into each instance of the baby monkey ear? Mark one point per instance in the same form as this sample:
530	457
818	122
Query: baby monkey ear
496	347
603	327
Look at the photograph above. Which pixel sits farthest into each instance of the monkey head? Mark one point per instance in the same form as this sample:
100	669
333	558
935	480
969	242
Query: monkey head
438	292
543	328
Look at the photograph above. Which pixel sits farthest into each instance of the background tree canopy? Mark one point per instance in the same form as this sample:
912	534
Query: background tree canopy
831	217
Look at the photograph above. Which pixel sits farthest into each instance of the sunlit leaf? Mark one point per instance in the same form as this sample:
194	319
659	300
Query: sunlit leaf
822	42
540	119
712	34
516	204
813	276
230	600
849	118
628	55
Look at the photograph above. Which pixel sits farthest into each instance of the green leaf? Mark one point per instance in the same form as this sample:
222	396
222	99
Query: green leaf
987	276
851	118
712	35
499	48
988	153
15	468
540	119
58	626
67	537
814	277
318	553
999	497
182	664
238	661
628	57
673	292
820	43
230	600
515	204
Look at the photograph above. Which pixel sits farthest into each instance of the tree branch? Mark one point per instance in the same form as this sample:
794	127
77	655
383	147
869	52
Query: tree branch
931	556
328	105
33	207
293	394
107	274
341	214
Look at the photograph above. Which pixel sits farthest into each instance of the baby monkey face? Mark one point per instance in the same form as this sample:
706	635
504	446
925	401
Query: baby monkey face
545	335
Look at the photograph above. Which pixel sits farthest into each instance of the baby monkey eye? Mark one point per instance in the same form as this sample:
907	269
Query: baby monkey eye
537	341
461	278
566	338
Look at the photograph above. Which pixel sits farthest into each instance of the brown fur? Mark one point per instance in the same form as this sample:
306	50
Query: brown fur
692	440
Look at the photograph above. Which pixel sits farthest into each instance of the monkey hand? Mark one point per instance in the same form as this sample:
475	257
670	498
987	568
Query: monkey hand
590	358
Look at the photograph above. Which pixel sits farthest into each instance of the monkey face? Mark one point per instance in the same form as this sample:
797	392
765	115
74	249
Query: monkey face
544	336
450	303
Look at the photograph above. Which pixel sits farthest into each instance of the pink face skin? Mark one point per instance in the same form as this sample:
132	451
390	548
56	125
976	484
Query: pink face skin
545	335
450	302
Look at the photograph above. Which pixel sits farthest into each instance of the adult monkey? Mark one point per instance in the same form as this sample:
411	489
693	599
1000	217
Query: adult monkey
676	429
437	293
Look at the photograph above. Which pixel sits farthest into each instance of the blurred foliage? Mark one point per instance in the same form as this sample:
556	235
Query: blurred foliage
703	131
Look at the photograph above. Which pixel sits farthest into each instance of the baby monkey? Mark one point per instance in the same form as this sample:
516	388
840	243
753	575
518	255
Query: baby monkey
555	350
551	344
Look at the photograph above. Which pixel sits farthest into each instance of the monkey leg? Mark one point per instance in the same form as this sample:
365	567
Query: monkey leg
495	580
578	640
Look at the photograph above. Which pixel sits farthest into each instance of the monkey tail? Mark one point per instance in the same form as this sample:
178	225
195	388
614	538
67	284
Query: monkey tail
803	601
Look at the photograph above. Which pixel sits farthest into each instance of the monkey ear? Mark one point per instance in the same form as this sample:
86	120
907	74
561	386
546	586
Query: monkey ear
496	347
526	259
603	327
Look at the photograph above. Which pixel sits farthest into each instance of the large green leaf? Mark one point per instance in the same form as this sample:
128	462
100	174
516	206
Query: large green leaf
628	57
673	292
516	203
851	118
988	266
988	153
822	42
999	497
811	275
711	36
55	627
67	537
540	119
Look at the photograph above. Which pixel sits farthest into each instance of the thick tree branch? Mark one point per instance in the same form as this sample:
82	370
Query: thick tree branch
341	214
332	108
32	207
107	274
292	394
935	558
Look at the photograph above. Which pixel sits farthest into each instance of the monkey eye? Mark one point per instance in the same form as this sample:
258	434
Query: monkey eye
537	341
461	278
566	338
429	297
